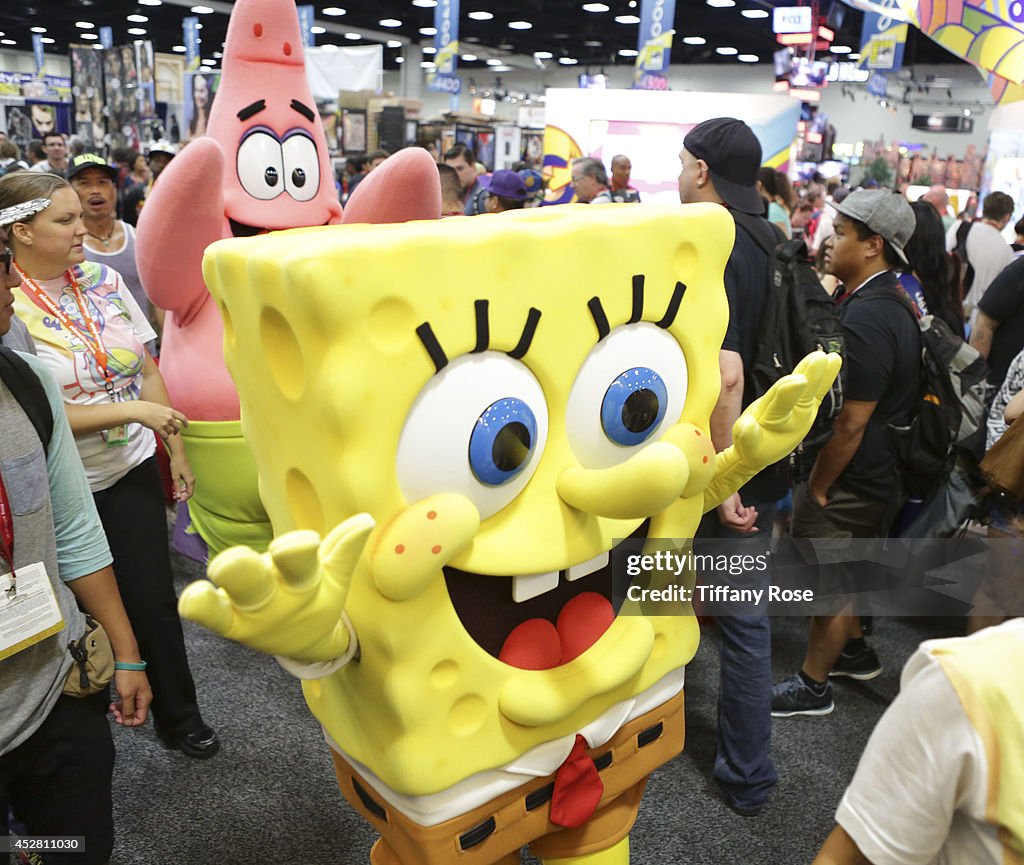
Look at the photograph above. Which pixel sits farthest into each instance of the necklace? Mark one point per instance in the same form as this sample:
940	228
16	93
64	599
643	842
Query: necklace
104	240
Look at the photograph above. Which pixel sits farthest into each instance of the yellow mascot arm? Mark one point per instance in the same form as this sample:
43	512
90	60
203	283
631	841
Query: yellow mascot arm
289	601
772	426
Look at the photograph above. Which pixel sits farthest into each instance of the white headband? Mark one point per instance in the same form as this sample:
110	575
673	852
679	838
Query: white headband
20	212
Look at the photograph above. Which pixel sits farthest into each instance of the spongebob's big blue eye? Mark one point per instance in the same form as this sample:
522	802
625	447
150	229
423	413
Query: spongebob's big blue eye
629	390
633	406
502	441
478	428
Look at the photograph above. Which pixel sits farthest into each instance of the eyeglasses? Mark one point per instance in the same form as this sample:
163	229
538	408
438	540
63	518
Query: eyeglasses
574	180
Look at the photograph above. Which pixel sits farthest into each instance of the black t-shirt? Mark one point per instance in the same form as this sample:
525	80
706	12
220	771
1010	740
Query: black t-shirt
1003	300
746	287
883	364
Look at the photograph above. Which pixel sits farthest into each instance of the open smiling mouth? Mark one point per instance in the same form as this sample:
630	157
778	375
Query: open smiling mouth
540	621
240	229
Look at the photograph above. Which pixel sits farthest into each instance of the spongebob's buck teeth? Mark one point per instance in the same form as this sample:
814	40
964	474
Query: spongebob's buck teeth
584	569
532	585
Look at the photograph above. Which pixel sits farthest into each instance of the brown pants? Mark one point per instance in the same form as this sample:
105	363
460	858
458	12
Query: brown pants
493	833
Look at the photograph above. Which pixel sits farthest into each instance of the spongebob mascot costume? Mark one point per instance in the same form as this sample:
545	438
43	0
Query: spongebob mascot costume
452	438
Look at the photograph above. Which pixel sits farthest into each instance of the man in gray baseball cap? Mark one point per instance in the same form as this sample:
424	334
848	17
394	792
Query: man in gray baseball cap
855	489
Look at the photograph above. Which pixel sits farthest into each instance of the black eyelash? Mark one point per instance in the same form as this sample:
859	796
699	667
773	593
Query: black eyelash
532	319
673	306
426	334
600	319
638	299
483	330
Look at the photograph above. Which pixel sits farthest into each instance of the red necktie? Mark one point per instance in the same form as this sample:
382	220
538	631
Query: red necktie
578	788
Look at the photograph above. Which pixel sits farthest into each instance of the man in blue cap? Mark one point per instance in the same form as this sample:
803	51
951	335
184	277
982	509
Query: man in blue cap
505	191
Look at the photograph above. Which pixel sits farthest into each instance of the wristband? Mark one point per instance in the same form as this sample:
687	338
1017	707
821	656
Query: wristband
129	665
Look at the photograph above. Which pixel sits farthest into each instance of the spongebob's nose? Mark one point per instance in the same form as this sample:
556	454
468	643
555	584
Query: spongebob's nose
641	486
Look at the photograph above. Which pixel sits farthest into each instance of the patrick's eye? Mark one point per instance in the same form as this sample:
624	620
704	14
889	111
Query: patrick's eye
302	167
259	166
477	428
631	387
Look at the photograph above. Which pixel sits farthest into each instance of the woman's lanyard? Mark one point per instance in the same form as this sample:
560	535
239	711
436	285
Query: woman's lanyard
7	537
92	342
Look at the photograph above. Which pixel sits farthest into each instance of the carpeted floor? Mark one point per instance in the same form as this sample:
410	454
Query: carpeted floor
270	796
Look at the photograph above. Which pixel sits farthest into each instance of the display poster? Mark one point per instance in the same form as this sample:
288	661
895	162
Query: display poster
602	124
120	80
200	91
33	120
87	92
882	40
654	44
190	34
446	39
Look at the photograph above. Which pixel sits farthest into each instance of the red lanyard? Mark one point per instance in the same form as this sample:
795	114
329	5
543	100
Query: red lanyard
7	532
93	343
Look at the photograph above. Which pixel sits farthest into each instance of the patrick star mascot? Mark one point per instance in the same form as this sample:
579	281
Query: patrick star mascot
263	166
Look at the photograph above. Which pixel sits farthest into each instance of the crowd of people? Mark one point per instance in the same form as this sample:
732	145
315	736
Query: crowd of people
68	219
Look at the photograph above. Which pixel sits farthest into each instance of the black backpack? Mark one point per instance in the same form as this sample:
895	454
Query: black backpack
26	388
949	418
799	317
965	269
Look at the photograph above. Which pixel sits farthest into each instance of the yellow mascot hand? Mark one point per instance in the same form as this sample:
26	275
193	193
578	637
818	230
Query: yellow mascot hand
772	426
288	601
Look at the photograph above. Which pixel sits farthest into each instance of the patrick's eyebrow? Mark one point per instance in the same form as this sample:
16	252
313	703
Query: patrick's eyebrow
252	110
304	110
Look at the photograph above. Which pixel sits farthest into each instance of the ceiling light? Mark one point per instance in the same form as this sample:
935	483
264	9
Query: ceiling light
399	60
481	16
430	49
469	58
38	29
568	61
426	4
520	25
853	57
428	31
46	40
593	43
393	43
85	25
199	26
89	36
726	50
136	31
151	2
317	30
389	22
138	19
695	40
494	61
7	42
334	11
218	54
748	58
178	49
628	52
721	4
201	10
840	49
353	36
206	61
754	13
427	64
626	19
595	7
543	55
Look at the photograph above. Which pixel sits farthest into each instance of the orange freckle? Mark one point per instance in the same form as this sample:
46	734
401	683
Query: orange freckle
697	431
287	49
257	30
400	549
705	459
432	515
435	549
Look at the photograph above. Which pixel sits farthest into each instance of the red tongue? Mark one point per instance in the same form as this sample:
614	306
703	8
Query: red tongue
536	644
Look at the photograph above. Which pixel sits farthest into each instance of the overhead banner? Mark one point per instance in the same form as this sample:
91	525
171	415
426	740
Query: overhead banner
190	32
446	39
883	40
306	16
654	44
37	50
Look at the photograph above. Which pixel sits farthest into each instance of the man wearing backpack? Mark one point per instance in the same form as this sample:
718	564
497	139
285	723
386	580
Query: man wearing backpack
720	161
981	247
855	487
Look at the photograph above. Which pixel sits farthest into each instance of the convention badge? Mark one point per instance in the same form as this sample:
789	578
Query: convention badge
116	436
28	609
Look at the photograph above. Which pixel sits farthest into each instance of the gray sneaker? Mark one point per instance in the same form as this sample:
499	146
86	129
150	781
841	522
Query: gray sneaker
861	665
792	696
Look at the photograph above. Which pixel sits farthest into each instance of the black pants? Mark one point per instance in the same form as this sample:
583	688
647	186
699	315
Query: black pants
135	522
58	781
